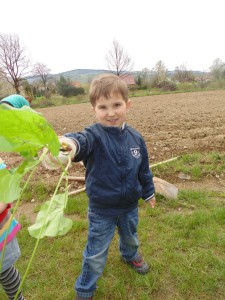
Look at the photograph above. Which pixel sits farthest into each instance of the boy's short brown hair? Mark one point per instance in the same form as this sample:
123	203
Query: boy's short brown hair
106	85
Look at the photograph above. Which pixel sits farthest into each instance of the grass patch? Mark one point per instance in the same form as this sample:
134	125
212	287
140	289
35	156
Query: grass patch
196	165
182	239
38	191
57	100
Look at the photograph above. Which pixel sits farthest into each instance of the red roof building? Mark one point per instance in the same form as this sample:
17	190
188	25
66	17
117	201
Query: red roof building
128	79
76	84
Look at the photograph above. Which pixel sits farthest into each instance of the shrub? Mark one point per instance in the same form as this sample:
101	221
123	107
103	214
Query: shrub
166	86
66	89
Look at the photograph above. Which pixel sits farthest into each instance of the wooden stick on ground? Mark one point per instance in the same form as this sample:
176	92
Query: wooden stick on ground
77	191
161	186
75	178
82	178
164	162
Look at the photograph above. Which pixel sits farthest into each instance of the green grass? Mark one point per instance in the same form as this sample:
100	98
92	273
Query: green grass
38	190
57	100
196	165
182	239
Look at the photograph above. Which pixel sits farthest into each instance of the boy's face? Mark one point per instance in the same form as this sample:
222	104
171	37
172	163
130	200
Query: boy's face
112	111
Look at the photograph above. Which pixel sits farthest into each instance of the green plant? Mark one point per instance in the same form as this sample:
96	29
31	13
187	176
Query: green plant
26	133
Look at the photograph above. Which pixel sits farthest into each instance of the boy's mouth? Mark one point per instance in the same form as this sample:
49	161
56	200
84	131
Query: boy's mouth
112	120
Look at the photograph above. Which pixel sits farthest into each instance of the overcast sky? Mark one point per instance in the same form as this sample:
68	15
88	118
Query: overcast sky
70	34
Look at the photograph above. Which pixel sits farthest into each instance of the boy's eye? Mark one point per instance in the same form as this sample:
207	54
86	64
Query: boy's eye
102	107
117	104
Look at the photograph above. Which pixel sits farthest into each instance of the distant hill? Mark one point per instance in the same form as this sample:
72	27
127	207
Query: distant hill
81	75
86	75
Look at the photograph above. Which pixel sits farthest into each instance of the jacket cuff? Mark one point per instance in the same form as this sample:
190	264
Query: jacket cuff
149	198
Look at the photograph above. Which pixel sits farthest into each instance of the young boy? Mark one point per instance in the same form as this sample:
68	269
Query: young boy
117	176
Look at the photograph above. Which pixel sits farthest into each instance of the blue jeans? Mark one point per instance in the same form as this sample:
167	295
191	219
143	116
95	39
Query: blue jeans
11	254
100	234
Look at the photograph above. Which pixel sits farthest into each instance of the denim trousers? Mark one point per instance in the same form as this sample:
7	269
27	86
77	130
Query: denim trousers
100	234
11	254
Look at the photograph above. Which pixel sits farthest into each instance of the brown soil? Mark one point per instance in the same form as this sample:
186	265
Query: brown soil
172	125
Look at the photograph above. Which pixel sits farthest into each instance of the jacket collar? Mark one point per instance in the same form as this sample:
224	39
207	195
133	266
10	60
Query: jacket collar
114	130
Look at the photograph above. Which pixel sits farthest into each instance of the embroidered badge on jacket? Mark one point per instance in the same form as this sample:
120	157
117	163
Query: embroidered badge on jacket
135	152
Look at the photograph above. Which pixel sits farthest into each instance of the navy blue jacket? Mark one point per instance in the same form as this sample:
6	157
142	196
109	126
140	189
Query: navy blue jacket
117	167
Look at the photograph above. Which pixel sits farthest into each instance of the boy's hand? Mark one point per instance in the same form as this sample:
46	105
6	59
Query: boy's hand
152	202
67	149
67	146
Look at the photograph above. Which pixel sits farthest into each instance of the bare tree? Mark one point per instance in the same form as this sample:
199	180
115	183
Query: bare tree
160	73
160	70
183	75
5	87
202	79
119	62
218	69
13	61
144	77
42	71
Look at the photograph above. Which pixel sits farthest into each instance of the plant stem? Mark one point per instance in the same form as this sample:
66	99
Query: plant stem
14	211
38	240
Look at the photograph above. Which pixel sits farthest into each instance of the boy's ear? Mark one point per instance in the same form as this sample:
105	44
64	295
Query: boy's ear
128	104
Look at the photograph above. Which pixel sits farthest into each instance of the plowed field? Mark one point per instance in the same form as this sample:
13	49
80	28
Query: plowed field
171	124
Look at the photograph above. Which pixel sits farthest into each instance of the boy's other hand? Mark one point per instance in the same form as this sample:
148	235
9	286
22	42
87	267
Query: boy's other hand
152	202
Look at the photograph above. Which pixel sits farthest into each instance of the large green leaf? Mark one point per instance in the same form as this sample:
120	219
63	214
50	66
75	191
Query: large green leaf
10	180
9	186
50	219
26	132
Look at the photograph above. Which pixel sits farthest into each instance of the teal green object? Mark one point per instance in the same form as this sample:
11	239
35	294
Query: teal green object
2	166
16	101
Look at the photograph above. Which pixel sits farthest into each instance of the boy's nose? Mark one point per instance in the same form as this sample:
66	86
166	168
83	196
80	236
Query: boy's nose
111	113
